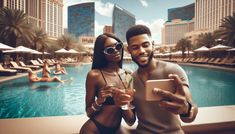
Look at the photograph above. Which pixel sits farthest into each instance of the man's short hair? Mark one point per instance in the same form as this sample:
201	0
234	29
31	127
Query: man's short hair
137	30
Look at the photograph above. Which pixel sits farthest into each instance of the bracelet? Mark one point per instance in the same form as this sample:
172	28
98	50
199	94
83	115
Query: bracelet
95	109
98	104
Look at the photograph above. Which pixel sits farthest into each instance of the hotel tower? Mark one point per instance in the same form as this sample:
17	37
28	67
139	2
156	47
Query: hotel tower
46	14
180	21
209	13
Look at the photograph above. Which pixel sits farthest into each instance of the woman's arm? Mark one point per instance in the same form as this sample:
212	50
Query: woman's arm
93	82
90	93
129	116
121	99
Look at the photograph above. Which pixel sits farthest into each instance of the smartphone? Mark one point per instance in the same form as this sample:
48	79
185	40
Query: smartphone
164	84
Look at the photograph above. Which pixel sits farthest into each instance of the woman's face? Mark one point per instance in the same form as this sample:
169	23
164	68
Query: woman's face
112	50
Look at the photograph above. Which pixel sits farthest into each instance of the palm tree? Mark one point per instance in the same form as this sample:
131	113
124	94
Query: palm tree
13	26
206	39
67	41
40	39
227	30
183	45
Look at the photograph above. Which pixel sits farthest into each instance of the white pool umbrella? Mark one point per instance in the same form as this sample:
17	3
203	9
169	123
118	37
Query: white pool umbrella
72	51
36	52
5	47
62	50
177	53
232	49
190	52
202	49
20	49
158	54
219	47
45	53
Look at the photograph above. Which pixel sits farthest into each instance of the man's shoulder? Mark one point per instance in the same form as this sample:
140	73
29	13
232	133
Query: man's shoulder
167	65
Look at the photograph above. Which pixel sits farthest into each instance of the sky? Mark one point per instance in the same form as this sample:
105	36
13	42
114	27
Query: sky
152	13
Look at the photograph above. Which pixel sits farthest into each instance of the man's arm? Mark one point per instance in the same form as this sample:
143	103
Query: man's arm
180	102
192	110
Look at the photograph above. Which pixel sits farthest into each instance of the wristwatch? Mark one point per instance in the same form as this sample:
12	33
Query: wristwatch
189	110
190	115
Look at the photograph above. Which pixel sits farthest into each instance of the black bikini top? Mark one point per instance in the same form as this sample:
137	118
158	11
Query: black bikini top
109	100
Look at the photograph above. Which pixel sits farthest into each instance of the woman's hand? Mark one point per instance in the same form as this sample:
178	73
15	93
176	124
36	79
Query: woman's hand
105	92
121	97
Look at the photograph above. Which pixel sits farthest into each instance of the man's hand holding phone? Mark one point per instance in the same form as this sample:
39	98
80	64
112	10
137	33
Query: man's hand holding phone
170	94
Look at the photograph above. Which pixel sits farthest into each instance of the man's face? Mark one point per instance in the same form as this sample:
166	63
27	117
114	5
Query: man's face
140	48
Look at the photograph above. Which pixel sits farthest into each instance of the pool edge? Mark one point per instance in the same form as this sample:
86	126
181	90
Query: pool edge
209	120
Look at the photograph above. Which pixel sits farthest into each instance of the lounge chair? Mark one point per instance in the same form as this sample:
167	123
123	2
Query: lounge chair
224	61
205	60
29	66
53	61
50	62
216	61
36	63
230	62
40	61
18	68
7	72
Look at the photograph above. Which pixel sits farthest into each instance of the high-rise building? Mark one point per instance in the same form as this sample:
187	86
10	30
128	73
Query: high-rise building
209	13
180	21
51	16
46	14
183	13
175	30
122	20
81	18
107	29
14	4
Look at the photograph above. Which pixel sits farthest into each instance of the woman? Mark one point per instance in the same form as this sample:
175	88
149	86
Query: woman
46	70
32	76
59	69
106	76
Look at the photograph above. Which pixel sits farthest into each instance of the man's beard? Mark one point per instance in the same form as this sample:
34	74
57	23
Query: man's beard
145	65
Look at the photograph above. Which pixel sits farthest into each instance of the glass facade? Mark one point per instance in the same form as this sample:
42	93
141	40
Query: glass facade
183	13
122	20
81	18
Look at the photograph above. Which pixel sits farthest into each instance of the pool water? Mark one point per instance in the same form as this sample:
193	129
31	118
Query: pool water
20	99
210	87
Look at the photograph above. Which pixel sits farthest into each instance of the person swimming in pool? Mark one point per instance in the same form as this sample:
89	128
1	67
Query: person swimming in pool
32	76
104	116
46	70
59	69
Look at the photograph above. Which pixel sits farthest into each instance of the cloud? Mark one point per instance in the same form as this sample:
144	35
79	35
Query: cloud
104	9
98	28
155	28
144	3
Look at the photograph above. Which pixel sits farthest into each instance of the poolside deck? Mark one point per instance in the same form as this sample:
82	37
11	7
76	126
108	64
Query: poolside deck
210	120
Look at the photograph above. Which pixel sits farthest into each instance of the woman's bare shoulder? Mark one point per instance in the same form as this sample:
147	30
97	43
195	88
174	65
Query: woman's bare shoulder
94	73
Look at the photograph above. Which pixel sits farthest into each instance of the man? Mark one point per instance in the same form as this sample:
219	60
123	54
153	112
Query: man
157	116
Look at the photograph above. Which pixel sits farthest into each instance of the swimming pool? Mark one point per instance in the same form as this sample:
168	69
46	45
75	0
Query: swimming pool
20	99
